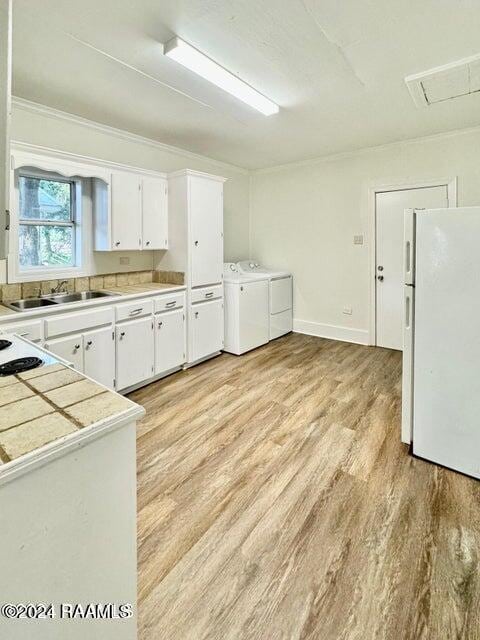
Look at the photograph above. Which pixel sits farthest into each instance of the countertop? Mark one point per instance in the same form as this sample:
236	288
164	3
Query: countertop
53	403
126	291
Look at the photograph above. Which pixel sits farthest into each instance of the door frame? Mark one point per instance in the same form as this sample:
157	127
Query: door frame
450	183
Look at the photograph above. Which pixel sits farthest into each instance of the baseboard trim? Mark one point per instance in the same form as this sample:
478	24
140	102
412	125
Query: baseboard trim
331	331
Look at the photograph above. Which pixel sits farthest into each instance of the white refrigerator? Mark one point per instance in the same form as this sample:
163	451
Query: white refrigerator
441	357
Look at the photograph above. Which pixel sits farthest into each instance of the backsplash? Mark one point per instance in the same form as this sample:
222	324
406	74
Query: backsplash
24	290
169	277
20	291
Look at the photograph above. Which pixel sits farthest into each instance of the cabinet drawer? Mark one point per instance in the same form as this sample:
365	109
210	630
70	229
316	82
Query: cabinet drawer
280	294
168	302
29	330
207	293
77	321
133	309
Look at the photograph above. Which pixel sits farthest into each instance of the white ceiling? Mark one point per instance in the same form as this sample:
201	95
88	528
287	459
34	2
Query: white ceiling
335	68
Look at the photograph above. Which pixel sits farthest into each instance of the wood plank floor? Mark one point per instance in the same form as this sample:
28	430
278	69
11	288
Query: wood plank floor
277	502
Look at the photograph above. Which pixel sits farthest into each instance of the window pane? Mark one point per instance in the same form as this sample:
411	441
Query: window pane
45	199
45	246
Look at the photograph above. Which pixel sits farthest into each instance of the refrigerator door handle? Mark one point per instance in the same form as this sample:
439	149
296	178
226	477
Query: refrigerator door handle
409	246
407	368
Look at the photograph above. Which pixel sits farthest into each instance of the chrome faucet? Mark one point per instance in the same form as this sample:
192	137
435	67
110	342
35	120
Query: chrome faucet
58	288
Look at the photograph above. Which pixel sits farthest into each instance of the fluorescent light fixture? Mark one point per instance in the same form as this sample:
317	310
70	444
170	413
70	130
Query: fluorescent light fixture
199	63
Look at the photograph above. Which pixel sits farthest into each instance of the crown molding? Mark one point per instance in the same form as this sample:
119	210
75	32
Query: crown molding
50	112
366	150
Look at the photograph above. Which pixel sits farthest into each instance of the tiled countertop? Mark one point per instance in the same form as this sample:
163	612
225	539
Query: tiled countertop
42	406
125	290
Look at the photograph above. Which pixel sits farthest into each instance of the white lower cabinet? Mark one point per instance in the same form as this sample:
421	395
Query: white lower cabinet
169	341
99	355
206	329
135	352
70	349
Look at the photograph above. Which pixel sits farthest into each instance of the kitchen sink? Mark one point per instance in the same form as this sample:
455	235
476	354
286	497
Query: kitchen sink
62	298
58	298
29	303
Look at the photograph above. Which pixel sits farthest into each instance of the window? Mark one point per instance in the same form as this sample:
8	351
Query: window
47	234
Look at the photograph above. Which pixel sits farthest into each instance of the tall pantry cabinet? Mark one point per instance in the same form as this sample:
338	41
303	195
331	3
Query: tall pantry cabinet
196	248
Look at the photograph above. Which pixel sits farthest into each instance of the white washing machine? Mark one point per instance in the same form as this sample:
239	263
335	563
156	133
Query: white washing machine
281	299
246	310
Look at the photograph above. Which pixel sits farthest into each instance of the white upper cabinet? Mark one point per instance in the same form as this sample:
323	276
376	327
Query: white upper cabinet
126	215
131	213
154	213
206	226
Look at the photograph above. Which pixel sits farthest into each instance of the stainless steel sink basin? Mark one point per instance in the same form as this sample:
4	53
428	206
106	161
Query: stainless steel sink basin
29	303
58	298
62	298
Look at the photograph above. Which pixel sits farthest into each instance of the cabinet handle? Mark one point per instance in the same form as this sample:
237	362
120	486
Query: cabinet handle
241	288
196	243
160	325
117	244
147	243
76	347
209	295
122	334
24	335
196	314
89	343
171	304
135	312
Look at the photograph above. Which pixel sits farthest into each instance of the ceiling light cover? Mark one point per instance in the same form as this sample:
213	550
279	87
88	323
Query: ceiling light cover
186	55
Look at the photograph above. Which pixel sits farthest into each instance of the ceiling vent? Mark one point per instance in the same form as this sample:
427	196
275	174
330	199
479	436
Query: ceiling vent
444	83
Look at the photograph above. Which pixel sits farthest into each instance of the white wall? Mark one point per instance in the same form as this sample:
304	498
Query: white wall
46	128
304	217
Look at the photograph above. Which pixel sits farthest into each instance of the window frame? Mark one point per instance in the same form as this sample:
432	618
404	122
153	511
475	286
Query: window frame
79	268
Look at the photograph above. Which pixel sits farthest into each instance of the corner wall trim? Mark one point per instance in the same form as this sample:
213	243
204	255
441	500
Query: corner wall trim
331	331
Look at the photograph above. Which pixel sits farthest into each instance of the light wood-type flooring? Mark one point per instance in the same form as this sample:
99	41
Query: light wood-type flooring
276	502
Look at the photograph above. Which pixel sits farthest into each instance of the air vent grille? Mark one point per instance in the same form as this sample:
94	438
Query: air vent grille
445	83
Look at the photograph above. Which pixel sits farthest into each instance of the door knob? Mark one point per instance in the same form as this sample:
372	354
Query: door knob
380	278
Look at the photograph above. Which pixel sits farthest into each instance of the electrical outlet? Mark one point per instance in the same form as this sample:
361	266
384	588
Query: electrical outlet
124	260
358	239
347	311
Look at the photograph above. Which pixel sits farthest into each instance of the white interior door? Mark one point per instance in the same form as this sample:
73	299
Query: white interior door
390	207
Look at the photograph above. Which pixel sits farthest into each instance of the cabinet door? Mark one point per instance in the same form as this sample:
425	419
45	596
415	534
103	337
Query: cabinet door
99	355
126	211
70	349
135	352
206	329
169	341
206	231
154	213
